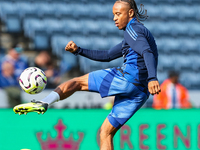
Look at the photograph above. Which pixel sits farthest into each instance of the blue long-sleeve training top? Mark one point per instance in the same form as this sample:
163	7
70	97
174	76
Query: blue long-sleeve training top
138	49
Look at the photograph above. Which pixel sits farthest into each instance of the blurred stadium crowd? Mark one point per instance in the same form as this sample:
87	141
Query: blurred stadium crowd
44	27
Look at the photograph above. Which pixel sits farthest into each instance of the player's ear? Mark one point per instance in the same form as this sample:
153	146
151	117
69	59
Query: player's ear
131	13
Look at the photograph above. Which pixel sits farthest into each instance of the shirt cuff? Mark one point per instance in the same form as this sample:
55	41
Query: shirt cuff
78	51
152	79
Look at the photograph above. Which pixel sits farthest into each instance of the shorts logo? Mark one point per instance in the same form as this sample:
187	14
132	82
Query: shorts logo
60	142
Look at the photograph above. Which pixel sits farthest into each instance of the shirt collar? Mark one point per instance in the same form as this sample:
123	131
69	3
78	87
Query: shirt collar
130	22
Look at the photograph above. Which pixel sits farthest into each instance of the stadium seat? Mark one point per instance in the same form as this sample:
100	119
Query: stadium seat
99	43
82	11
84	65
26	24
88	65
90	27
58	44
81	41
166	62
68	61
194	29
173	28
152	11
195	62
7	8
72	27
113	40
161	28
66	10
26	9
41	40
53	26
183	62
49	26
147	1
179	29
96	10
32	25
179	1
109	28
169	11
169	45
45	9
162	76
194	1
98	1
13	24
35	30
190	80
190	46
9	15
186	12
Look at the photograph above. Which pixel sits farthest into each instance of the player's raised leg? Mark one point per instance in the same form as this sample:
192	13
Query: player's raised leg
63	91
76	84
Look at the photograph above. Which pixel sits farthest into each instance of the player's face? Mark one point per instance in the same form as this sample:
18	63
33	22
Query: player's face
122	14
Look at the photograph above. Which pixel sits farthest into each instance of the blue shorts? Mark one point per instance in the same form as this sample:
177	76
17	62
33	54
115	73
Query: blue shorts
128	97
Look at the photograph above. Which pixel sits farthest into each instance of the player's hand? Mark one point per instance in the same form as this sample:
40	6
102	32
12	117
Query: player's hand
154	87
71	47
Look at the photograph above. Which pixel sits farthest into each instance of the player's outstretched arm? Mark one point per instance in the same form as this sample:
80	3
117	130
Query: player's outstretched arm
154	87
97	55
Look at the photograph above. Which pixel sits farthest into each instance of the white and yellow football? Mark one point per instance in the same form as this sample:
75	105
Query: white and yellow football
33	80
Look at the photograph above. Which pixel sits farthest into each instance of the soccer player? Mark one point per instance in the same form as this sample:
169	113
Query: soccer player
131	84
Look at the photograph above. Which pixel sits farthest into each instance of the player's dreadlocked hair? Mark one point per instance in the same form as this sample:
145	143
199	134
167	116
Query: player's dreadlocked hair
141	14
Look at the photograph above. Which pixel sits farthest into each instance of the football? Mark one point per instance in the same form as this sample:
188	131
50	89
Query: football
33	80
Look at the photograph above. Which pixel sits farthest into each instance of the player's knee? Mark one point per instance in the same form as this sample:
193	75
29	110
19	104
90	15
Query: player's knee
104	133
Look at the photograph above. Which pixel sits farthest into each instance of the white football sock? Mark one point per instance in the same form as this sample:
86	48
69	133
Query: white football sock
51	98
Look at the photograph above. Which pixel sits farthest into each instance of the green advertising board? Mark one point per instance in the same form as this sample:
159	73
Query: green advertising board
65	129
